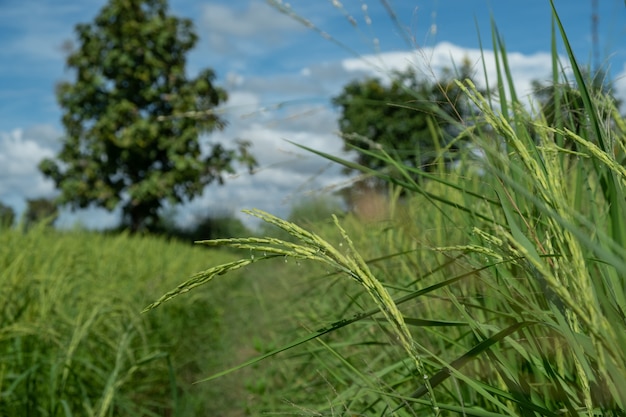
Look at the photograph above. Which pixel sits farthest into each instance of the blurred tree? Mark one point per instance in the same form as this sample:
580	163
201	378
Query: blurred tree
40	209
7	216
217	226
133	118
413	119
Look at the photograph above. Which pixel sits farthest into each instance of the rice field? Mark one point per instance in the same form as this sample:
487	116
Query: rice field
496	288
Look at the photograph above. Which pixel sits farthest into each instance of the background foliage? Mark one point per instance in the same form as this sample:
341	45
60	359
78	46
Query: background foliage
413	118
73	341
134	119
7	216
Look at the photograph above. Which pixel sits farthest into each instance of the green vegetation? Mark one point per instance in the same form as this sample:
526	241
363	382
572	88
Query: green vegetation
73	341
571	107
7	216
413	118
133	118
494	289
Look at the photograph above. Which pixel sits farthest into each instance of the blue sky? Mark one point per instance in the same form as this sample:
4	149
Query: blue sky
281	77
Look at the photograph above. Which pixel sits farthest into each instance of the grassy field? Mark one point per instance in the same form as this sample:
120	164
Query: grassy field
73	340
494	289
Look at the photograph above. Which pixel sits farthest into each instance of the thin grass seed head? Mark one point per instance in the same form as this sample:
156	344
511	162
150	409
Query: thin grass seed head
388	307
570	268
315	248
199	279
605	158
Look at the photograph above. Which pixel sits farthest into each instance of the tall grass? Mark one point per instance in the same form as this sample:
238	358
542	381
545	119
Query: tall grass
73	340
497	289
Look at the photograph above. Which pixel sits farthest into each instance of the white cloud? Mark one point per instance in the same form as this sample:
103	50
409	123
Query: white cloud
233	79
280	159
241	102
285	172
20	153
233	30
91	218
257	19
21	150
431	61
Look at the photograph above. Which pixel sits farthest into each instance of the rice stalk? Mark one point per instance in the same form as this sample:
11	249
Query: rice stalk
314	248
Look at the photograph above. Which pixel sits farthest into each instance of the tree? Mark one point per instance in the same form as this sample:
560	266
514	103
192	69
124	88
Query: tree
7	216
217	226
412	119
40	209
213	225
133	118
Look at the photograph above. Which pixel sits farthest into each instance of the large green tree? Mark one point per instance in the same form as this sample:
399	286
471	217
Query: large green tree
133	118
412	118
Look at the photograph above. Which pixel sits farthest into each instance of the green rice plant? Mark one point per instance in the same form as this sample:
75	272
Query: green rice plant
73	340
496	289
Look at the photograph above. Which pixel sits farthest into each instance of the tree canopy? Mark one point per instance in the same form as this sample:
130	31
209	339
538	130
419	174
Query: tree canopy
412	118
133	118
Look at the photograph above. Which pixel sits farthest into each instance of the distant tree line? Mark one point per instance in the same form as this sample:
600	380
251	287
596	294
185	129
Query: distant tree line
7	216
37	210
